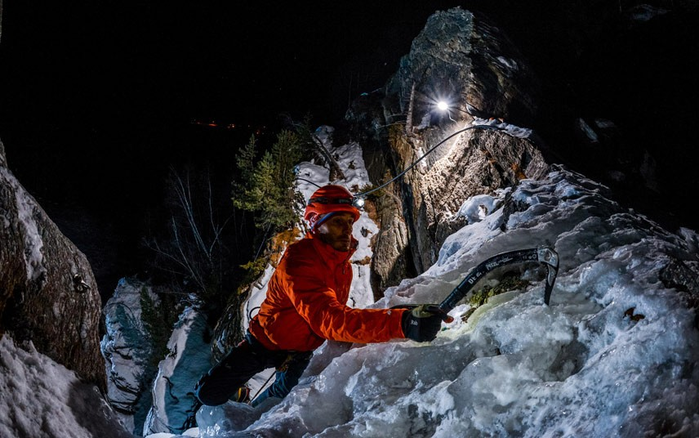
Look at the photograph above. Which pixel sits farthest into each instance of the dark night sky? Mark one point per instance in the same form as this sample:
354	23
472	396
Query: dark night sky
92	88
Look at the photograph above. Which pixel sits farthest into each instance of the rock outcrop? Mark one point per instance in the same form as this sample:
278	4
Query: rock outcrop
155	353
130	357
174	404
48	293
464	60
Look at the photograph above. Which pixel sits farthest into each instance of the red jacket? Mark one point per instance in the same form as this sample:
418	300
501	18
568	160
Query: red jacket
305	303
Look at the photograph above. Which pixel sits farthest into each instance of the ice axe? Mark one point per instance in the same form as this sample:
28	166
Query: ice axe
541	254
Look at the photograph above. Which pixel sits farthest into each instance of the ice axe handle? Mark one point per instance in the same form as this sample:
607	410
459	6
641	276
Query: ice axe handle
437	310
541	254
431	308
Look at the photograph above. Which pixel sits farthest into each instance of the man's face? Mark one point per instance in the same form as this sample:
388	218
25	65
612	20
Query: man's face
337	231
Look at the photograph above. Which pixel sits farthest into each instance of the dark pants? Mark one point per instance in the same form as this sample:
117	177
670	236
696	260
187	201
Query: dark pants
244	361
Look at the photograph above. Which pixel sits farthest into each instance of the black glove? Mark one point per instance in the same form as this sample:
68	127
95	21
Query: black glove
422	323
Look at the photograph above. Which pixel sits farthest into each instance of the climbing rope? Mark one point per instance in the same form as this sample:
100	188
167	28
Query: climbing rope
490	127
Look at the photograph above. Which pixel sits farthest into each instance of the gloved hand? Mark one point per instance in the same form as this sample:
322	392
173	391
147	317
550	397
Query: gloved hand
422	323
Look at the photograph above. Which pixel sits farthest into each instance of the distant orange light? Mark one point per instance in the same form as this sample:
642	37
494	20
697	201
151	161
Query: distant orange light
207	123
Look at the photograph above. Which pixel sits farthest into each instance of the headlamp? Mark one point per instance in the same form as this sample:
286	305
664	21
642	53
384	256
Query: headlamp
356	201
323	200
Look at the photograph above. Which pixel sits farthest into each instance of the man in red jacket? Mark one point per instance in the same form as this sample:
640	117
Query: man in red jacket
305	305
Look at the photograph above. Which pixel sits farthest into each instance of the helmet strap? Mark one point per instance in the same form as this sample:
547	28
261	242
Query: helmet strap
322	219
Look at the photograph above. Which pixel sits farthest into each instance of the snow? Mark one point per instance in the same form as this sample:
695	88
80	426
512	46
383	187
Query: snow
40	398
643	13
589	132
476	208
508	62
510	129
612	355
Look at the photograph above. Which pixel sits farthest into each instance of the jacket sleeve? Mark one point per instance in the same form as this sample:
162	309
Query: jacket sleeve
328	318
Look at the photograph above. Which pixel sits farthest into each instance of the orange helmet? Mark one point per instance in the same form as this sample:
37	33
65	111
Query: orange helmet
329	199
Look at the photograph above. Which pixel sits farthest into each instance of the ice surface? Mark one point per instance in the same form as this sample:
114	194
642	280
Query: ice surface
611	356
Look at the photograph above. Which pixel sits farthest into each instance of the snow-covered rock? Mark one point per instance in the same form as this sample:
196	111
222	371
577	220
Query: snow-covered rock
128	350
48	293
41	398
152	394
174	404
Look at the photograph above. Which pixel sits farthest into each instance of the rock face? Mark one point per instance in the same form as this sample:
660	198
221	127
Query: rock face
48	293
467	62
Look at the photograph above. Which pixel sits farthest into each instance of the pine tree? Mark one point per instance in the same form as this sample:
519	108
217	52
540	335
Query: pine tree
267	187
244	192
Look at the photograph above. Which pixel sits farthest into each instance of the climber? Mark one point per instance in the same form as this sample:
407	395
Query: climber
305	305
